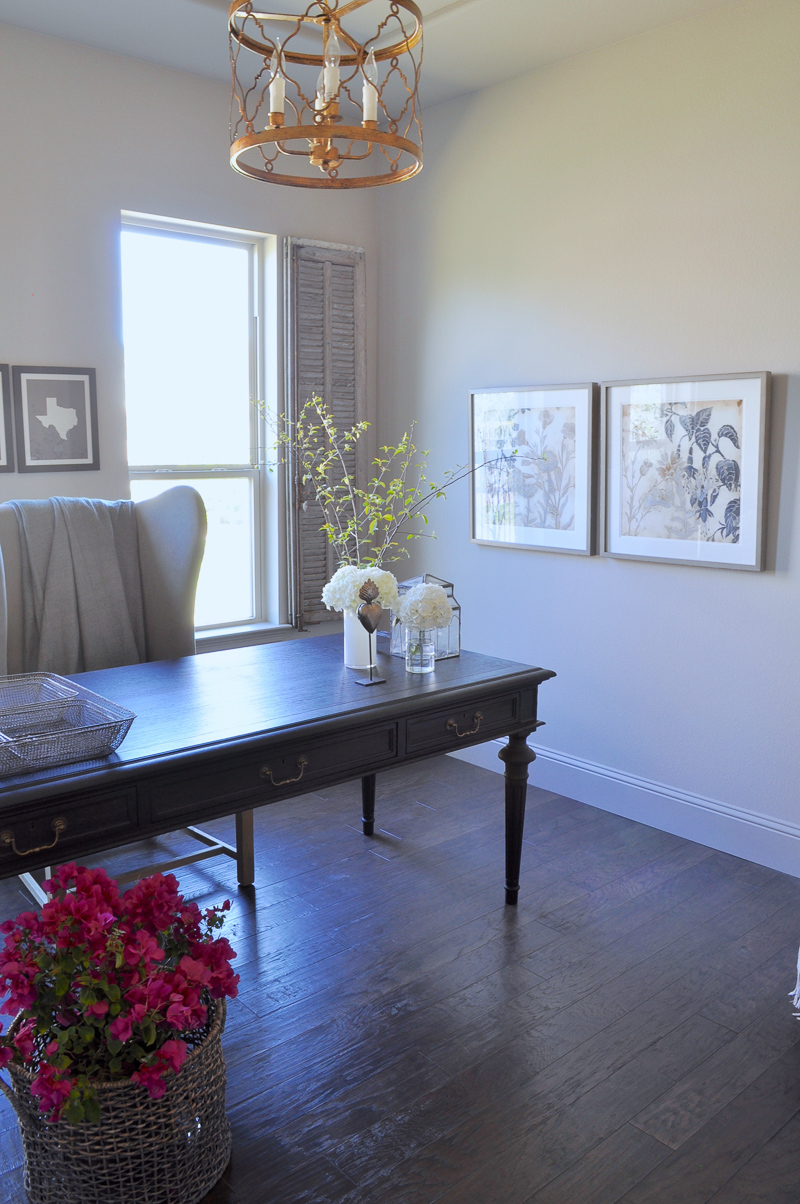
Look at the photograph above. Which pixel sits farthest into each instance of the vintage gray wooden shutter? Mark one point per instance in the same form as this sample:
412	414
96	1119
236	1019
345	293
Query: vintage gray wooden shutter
326	356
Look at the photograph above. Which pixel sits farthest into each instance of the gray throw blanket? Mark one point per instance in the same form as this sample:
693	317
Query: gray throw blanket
81	585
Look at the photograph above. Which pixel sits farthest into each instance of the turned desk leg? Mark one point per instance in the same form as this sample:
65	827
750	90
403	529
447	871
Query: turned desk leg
517	757
368	804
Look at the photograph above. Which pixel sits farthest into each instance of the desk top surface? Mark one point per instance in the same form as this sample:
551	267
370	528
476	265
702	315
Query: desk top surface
233	697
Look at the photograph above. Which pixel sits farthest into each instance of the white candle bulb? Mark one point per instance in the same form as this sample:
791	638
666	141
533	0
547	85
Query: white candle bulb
331	60
277	87
369	89
319	99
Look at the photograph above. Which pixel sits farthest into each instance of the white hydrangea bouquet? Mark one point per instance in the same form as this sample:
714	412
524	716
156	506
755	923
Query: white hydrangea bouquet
425	607
341	592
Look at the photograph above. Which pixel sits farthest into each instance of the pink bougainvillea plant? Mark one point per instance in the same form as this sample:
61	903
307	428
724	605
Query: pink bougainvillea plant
105	984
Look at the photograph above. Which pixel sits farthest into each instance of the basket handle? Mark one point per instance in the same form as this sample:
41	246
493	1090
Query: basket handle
11	1097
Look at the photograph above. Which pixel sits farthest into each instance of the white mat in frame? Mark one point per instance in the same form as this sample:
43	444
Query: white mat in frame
532	453
684	469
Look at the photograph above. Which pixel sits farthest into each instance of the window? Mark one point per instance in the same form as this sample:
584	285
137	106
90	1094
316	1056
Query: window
193	299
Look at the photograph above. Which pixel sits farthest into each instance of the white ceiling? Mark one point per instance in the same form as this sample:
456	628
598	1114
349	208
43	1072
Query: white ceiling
468	44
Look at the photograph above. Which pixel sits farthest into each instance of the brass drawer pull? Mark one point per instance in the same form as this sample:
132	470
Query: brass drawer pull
58	825
266	772
453	726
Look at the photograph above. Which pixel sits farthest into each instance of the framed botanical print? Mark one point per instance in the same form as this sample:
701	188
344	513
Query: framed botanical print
6	439
56	419
532	457
684	469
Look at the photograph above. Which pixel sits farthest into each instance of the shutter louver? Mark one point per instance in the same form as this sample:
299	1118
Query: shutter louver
326	357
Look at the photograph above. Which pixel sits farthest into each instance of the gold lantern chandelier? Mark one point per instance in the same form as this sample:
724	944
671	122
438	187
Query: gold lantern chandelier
326	97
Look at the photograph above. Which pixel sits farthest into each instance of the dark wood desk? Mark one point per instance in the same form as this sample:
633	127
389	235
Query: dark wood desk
226	731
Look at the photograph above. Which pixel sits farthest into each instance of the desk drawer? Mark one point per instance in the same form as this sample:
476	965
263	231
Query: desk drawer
451	728
276	772
70	829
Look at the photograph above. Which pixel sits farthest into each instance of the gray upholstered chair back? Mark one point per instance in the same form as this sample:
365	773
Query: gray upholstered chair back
172	532
172	536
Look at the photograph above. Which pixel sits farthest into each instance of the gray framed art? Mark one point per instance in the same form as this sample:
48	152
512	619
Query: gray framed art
56	419
6	429
532	459
684	469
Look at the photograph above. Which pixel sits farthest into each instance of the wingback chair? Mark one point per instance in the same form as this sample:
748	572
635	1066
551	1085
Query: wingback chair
171	530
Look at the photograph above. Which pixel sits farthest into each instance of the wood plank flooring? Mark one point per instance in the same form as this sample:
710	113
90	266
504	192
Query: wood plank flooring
401	1037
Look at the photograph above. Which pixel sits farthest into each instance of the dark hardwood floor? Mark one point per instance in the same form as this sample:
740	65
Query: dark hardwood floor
402	1037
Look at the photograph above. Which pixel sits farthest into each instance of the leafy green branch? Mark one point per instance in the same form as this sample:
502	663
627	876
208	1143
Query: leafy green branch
371	524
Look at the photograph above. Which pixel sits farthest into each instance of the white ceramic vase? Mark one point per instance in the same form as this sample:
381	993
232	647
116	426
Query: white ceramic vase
357	643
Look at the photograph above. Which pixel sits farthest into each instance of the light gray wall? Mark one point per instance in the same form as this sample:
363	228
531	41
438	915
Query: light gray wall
629	213
83	135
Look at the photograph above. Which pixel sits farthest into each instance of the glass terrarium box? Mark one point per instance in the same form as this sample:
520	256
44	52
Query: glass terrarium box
446	639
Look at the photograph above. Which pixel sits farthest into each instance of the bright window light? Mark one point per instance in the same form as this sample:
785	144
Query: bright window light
189	320
225	588
186	313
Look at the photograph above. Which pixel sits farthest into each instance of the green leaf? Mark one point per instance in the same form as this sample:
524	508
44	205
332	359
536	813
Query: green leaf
73	1112
62	985
91	1107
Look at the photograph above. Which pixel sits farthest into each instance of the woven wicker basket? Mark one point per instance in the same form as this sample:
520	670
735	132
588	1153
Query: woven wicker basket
144	1151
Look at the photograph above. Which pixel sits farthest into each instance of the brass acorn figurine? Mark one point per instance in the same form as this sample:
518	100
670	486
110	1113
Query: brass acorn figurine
369	612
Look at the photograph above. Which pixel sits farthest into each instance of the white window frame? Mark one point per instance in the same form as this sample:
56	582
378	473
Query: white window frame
269	559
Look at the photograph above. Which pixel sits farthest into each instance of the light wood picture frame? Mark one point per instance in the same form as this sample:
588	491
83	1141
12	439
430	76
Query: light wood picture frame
532	454
684	470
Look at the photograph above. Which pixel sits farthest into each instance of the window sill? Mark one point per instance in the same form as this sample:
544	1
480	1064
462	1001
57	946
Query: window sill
217	639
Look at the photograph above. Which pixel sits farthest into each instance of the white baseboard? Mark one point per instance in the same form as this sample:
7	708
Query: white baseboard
771	842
